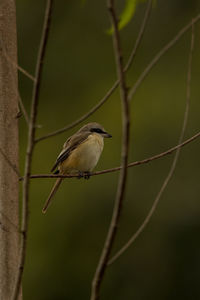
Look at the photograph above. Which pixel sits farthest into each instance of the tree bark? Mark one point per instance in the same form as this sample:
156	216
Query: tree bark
9	184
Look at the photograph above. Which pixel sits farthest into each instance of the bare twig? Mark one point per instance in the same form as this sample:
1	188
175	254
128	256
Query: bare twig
114	86
136	85
140	35
133	164
14	226
30	146
23	71
14	65
101	267
160	54
84	117
173	166
9	162
26	117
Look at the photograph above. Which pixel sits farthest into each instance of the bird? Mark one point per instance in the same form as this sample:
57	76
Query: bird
79	155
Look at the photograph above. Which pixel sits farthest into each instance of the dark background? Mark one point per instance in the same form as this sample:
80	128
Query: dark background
65	244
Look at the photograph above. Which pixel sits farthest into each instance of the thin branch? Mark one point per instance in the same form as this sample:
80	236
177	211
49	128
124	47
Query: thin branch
133	164
23	71
160	54
30	146
136	85
114	86
173	166
13	64
84	117
140	35
9	162
26	117
16	228
101	267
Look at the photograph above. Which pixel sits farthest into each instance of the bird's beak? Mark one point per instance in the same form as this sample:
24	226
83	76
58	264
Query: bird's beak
107	135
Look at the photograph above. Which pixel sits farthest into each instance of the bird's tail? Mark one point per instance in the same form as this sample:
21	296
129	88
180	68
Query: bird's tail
53	191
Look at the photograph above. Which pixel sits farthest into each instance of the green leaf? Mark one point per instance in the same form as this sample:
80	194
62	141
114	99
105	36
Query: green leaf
128	12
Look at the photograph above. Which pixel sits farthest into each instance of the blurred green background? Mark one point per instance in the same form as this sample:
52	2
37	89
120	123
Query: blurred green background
65	244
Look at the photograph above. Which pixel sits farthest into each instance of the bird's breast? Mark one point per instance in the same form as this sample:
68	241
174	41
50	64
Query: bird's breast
85	156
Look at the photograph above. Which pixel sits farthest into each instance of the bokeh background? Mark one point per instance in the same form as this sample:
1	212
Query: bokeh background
65	244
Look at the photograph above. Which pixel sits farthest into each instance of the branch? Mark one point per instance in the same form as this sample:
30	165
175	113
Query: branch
101	267
9	162
138	82
140	35
160	54
23	71
14	226
115	85
173	166
133	164
26	117
30	146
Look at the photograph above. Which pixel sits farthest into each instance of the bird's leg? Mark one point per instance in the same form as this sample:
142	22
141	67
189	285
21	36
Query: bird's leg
80	175
87	175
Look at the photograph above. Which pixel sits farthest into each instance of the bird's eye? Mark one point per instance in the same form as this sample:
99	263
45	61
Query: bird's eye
98	130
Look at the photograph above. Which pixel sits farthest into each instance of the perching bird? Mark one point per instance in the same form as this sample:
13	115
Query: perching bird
80	154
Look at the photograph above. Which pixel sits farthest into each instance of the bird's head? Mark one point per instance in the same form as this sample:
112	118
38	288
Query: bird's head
97	128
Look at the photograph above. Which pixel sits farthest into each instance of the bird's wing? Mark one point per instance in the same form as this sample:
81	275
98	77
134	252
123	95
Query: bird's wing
71	143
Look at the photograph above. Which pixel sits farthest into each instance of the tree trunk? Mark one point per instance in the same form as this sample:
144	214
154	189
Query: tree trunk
9	184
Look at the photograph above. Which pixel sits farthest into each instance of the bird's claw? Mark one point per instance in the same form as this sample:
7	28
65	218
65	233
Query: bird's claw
80	175
87	175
